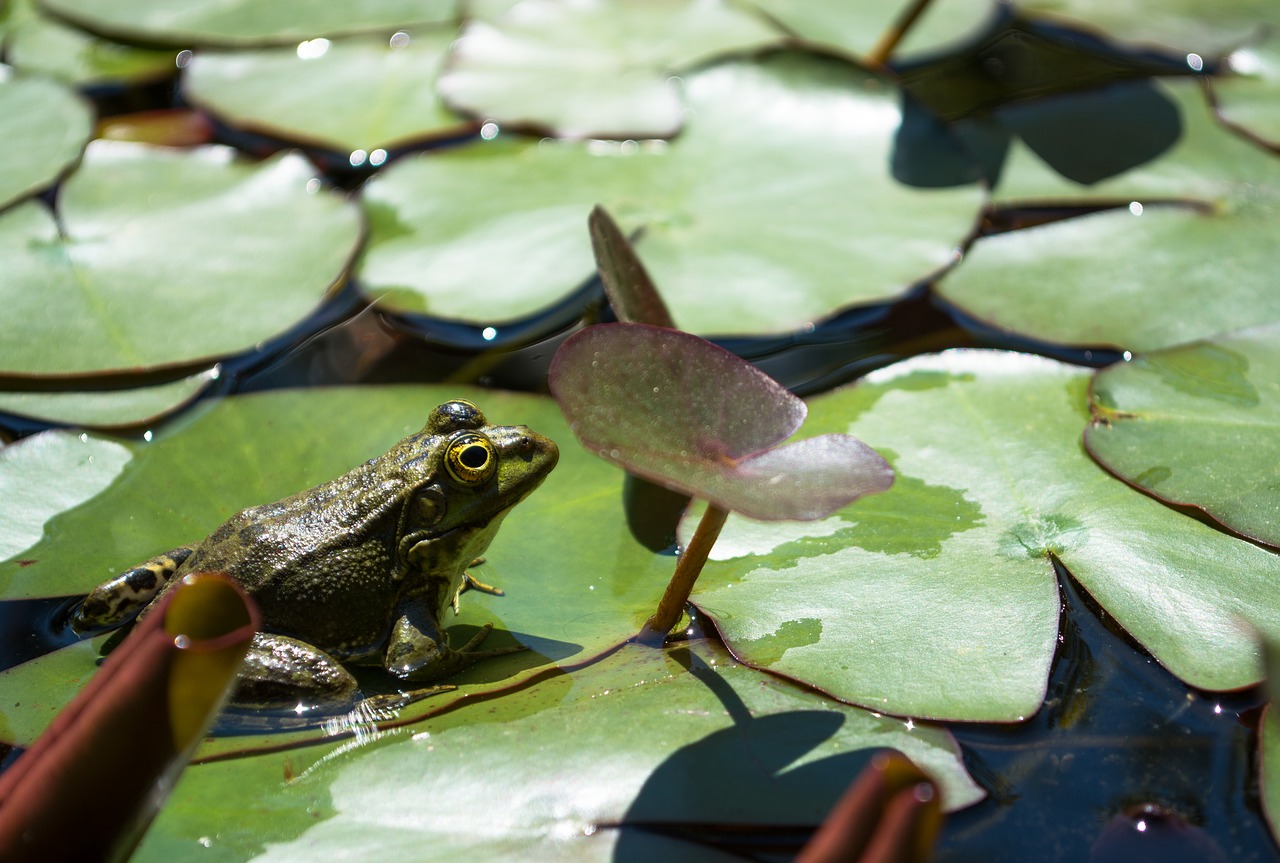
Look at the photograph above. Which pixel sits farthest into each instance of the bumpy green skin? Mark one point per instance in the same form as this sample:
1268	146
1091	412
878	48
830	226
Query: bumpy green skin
363	568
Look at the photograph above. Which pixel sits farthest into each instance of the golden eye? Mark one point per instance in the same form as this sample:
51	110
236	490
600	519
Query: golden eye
471	459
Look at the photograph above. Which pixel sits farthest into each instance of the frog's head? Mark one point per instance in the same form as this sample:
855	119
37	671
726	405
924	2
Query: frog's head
460	471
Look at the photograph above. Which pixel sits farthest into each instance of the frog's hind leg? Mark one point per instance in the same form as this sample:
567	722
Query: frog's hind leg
119	600
287	675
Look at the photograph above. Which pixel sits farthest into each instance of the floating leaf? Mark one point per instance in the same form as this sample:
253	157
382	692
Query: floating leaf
681	412
39	44
352	94
1179	24
108	408
1199	425
1250	100
856	28
1142	277
43	128
771	209
939	597
244	22
46	474
706	741
162	257
594	69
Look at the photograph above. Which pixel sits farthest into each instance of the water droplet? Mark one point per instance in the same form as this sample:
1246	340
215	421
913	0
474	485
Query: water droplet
1135	208
489	130
377	157
183	59
1196	62
399	39
312	49
357	158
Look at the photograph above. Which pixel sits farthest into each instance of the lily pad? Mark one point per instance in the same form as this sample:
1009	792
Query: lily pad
1188	25
162	257
939	598
594	69
243	22
1146	276
1249	101
352	94
857	28
43	128
706	741
46	474
733	252
38	44
108	408
617	384
1199	425
569	601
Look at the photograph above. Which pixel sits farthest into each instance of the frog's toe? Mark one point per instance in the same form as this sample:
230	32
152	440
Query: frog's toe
469	649
390	702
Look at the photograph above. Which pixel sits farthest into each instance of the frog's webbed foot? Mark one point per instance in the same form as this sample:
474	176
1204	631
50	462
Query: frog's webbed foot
287	674
470	582
416	654
119	600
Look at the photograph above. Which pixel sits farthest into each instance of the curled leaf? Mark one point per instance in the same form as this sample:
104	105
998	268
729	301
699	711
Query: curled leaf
677	410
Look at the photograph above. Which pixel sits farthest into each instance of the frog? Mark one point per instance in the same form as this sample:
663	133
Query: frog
360	570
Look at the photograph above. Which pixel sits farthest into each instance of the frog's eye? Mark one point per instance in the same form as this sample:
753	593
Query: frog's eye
471	459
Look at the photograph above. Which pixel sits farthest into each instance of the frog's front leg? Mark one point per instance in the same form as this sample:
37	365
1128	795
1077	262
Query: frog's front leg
119	600
418	647
286	674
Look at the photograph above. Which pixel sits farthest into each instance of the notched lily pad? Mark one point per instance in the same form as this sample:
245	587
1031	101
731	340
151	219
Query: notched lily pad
743	749
939	597
1198	425
594	69
364	93
159	257
677	410
43	128
732	253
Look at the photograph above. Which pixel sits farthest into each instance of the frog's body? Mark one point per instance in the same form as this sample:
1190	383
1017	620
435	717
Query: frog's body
361	569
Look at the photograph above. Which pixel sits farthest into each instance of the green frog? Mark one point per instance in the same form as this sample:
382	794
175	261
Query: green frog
359	570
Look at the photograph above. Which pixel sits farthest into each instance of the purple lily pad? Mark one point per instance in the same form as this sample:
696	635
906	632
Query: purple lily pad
679	411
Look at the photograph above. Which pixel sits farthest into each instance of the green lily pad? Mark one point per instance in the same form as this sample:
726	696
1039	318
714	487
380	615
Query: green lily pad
36	43
1188	25
1199	425
108	408
600	70
1249	101
732	252
46	474
938	597
243	22
856	28
43	128
616	384
705	741
578	597
162	257
1141	277
352	94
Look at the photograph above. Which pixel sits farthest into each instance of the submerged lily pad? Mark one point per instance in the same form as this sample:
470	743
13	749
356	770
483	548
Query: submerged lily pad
107	408
706	741
677	410
162	257
593	69
939	597
773	208
245	22
1146	276
352	94
1198	424
43	128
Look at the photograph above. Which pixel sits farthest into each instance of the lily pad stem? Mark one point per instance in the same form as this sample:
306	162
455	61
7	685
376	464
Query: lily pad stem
879	55
690	564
